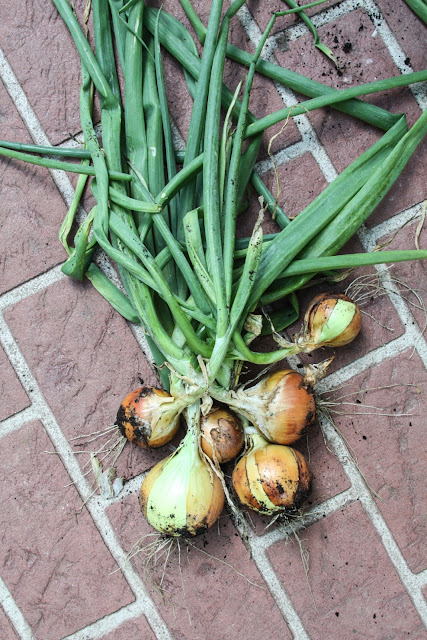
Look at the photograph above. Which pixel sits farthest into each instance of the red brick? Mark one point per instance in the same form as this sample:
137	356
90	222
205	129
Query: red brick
220	603
6	629
54	561
137	629
29	239
12	396
85	360
390	450
293	196
352	590
301	181
413	274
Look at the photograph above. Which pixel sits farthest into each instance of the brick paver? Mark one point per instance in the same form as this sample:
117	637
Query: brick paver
351	590
67	359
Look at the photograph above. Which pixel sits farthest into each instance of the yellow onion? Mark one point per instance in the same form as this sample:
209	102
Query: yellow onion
149	417
181	495
331	320
281	406
271	478
222	435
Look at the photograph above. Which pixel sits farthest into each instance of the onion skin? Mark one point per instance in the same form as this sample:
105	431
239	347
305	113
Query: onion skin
289	408
222	435
201	501
292	408
327	311
148	417
271	478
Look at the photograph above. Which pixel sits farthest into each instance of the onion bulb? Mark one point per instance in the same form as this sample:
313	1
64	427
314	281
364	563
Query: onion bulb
281	406
181	495
149	417
270	478
222	435
331	320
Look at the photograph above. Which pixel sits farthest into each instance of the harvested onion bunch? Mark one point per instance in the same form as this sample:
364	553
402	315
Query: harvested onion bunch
187	281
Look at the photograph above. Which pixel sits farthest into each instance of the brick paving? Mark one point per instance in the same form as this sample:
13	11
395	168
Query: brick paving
63	568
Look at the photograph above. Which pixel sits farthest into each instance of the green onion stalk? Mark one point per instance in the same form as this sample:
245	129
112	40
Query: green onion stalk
169	222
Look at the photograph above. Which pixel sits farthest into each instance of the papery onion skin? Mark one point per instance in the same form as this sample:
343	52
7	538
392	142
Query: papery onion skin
289	408
271	478
186	515
145	419
222	435
331	320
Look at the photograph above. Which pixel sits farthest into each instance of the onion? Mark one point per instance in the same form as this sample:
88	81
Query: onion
222	435
270	478
181	495
281	406
331	320
149	417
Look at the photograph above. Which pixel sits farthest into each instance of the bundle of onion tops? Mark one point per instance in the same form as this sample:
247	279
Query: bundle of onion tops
197	291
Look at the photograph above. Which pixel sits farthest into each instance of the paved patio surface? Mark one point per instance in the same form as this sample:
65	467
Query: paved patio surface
67	359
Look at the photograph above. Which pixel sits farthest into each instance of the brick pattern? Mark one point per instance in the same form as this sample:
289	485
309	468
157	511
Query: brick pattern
67	359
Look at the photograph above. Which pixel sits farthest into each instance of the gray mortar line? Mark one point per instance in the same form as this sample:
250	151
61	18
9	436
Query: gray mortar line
36	284
281	598
109	623
372	358
393	224
17	420
148	608
275	587
14	614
